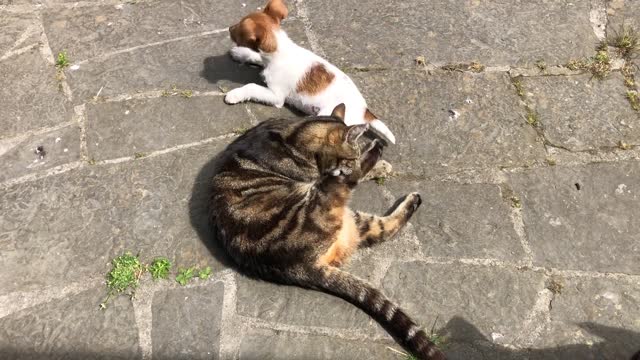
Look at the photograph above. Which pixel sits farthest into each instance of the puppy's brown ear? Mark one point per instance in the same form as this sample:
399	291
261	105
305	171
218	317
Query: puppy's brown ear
338	112
277	9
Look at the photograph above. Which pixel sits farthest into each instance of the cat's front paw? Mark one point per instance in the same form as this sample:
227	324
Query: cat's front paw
234	96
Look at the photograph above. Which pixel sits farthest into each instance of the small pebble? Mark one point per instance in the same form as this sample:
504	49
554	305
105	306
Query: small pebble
74	67
119	6
468	101
65	150
40	152
453	114
127	112
244	5
58	139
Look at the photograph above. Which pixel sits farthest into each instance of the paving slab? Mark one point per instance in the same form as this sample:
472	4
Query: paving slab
471	220
622	13
296	306
72	328
69	226
450	120
582	113
18	155
28	74
494	300
271	345
19	30
139	126
394	33
186	322
583	217
200	63
599	311
101	29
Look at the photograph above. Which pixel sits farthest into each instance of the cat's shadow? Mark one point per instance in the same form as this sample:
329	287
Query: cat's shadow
199	213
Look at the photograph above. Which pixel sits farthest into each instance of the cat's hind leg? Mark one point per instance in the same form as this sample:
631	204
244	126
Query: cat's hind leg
375	229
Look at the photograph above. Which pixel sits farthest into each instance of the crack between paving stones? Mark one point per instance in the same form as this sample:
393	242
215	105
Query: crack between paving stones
156	43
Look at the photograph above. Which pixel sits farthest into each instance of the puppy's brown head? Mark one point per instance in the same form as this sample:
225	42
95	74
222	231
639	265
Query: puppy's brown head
256	30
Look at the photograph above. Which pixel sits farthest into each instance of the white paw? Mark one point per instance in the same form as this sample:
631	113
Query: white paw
245	55
234	96
238	53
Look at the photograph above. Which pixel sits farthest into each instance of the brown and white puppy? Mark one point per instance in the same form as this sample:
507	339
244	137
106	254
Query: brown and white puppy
293	74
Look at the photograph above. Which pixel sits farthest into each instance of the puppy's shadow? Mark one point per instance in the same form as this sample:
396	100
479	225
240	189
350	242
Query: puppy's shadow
224	71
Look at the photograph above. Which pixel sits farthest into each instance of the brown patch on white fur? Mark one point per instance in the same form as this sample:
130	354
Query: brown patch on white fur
256	30
315	80
277	10
346	242
369	116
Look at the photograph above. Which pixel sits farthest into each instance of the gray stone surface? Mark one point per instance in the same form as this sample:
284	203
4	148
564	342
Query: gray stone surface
72	328
589	228
622	13
139	126
489	132
186	322
102	29
594	309
440	291
137	170
98	213
18	31
61	145
462	220
20	109
272	345
581	113
295	306
393	33
198	63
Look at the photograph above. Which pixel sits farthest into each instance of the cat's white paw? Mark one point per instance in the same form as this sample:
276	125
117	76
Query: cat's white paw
234	96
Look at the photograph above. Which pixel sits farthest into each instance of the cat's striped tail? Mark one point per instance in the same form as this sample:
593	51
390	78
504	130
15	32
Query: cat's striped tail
358	292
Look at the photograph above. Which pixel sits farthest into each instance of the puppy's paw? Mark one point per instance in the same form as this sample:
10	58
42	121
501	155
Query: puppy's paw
245	55
234	96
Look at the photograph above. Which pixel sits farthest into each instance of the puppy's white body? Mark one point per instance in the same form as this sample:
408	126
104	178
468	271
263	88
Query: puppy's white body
283	71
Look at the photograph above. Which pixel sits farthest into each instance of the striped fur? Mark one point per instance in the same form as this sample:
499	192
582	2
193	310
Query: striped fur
280	206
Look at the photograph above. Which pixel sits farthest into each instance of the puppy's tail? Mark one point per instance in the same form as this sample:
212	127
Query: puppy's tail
379	127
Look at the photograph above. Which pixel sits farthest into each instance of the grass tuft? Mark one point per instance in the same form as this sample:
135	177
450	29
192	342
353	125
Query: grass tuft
205	273
240	130
124	275
627	41
62	61
185	275
517	83
160	268
532	117
634	99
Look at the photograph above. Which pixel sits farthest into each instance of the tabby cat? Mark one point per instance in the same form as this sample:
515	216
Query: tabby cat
280	208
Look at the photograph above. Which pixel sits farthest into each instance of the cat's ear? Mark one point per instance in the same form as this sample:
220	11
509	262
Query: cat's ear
277	9
354	132
338	112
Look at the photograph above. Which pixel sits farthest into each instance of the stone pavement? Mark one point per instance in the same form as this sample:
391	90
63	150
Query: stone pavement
527	244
